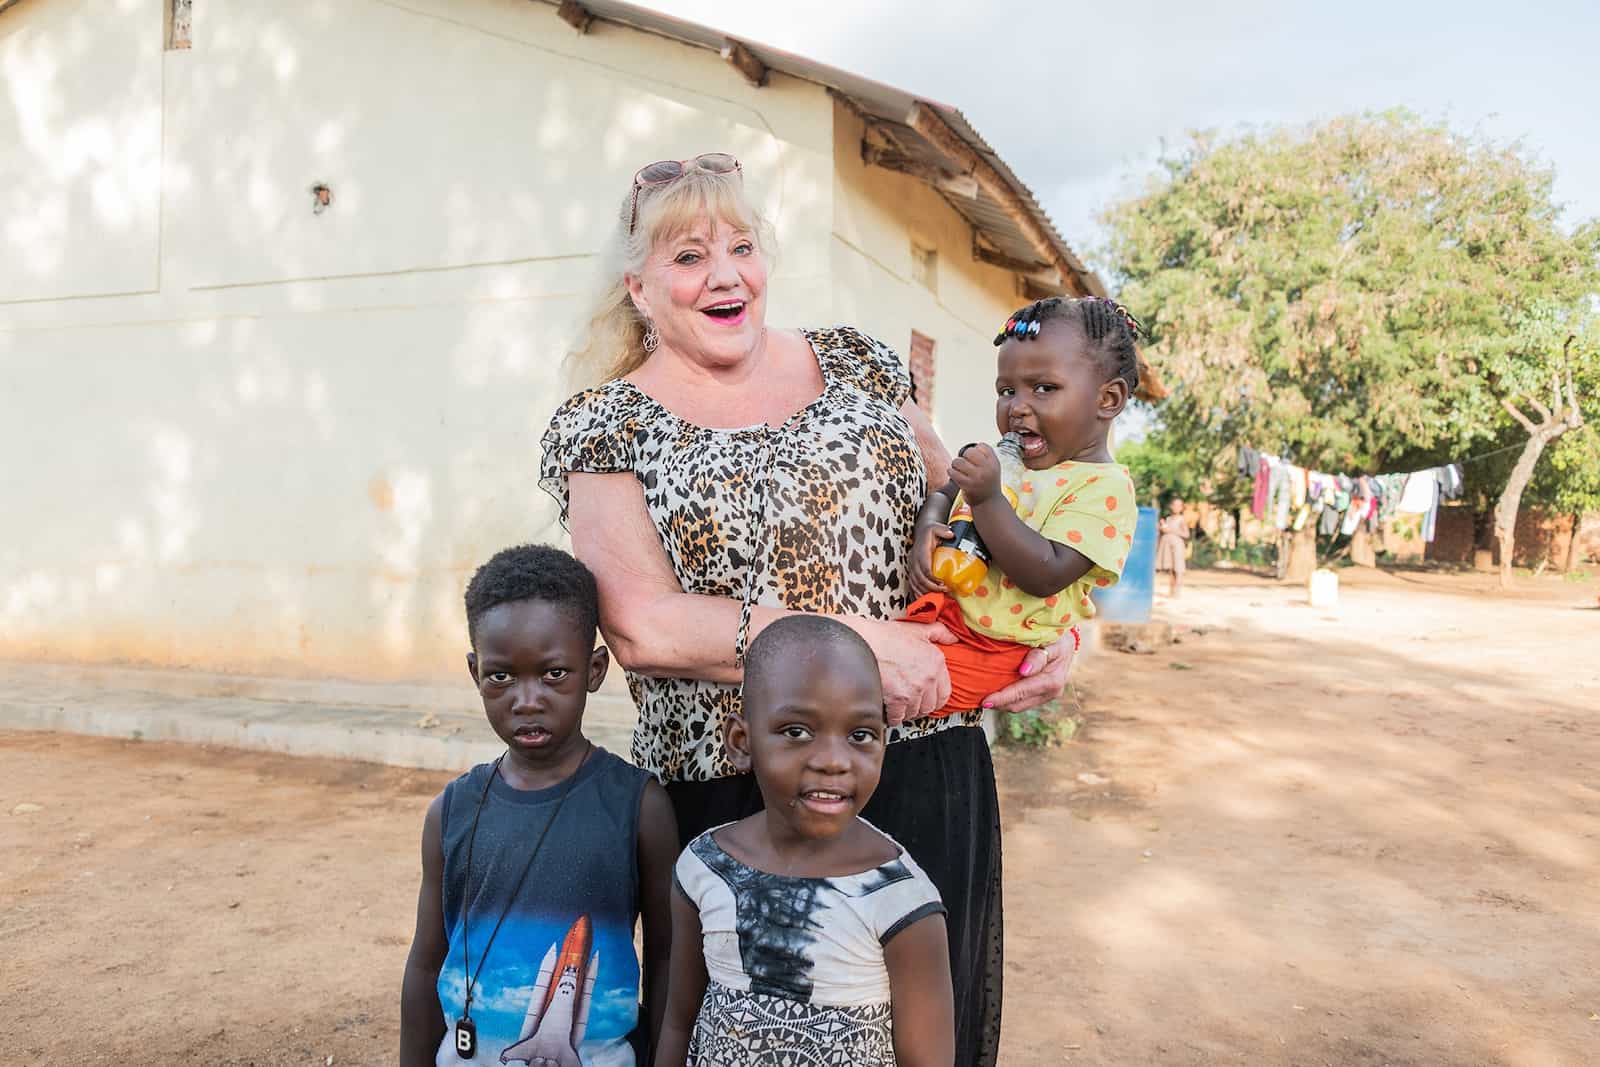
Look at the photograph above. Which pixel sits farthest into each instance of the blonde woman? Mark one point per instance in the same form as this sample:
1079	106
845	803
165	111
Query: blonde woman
719	474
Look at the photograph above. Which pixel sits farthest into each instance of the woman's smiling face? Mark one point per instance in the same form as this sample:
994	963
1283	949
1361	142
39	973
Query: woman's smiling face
704	288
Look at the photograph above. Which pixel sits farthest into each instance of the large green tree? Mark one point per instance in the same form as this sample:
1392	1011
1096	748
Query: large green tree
1361	295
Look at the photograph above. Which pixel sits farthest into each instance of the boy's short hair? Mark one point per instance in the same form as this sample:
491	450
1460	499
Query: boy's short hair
792	632
533	572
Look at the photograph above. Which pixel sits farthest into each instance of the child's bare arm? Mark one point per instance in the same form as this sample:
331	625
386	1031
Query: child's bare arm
1039	567
918	961
687	986
930	530
658	850
421	1017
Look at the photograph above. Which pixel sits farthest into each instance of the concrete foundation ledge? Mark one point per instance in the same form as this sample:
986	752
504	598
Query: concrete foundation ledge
136	706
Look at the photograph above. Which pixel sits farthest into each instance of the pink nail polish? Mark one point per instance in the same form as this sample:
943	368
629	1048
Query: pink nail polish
987	704
1025	670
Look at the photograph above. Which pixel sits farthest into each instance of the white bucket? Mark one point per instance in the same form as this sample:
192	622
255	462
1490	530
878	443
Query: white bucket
1324	589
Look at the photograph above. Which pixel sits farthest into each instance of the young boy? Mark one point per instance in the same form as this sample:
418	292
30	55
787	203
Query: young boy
1065	371
535	866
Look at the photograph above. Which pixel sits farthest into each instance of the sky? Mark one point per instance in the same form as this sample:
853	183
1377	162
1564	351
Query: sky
1079	99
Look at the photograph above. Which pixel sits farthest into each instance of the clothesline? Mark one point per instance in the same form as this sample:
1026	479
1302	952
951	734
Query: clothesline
1469	459
1289	496
1486	455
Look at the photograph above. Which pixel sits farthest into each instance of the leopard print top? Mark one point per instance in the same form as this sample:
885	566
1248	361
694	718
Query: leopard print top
817	513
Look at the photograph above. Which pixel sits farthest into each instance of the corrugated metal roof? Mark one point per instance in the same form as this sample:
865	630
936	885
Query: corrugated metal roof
887	108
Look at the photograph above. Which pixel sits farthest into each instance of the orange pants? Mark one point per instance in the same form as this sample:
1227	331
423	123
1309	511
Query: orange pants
978	664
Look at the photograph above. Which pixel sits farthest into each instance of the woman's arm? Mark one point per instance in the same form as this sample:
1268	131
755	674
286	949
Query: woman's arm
654	628
935	456
657	850
421	1017
687	986
918	961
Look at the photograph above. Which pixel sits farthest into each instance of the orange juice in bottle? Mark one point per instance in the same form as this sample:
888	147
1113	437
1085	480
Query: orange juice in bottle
962	562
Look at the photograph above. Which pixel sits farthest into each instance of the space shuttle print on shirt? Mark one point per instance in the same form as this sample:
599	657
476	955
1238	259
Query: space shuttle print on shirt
558	1012
560	984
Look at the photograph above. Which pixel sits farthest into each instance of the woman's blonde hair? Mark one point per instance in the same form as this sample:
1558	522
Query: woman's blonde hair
613	342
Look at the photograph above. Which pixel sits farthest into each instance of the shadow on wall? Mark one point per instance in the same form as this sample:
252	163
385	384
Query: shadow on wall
290	454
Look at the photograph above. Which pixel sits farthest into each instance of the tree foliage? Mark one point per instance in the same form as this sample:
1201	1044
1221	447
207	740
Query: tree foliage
1360	295
1160	470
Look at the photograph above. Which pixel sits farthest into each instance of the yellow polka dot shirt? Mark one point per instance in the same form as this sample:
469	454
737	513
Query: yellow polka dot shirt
1085	506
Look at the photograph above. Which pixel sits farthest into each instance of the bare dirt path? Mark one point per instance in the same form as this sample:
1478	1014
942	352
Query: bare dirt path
1366	836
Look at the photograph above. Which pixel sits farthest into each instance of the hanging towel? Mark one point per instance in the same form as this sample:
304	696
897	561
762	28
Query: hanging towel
1417	496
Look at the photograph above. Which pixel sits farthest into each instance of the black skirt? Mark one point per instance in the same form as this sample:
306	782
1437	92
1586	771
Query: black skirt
936	797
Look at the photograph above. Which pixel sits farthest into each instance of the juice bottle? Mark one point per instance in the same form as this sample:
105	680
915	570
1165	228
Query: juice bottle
962	562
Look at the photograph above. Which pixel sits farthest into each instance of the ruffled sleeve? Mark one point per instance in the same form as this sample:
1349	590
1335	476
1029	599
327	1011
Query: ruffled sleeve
849	355
591	433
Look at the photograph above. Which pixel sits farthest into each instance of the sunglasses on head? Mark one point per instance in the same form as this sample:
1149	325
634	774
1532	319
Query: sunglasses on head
667	171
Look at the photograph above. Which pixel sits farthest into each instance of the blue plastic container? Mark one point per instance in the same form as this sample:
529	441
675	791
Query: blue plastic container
1130	599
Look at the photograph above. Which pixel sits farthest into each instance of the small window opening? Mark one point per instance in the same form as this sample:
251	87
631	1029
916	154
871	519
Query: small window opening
180	24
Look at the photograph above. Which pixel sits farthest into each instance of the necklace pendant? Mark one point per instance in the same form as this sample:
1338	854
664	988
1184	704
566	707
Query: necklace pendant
466	1038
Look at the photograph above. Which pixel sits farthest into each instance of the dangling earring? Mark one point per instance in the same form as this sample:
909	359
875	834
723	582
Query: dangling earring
651	338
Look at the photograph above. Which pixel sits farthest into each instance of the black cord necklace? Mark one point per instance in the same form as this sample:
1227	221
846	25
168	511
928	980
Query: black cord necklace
466	1029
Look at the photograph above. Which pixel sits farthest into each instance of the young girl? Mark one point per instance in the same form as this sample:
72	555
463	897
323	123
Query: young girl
1065	371
1170	549
803	935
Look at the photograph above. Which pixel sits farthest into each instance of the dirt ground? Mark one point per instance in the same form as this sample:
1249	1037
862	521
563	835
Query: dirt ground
1367	835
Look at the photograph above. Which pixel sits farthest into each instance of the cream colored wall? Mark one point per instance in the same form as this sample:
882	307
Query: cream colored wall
876	213
80	148
287	447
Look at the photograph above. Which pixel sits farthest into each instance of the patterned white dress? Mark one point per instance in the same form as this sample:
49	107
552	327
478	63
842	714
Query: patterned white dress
795	965
815	515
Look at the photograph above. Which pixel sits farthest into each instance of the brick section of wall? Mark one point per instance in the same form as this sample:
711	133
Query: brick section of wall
1540	536
922	370
1452	535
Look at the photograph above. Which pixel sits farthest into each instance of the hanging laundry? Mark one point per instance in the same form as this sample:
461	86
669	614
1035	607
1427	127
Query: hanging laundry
1297	486
1391	486
1450	480
1289	497
1258	503
1417	496
1357	512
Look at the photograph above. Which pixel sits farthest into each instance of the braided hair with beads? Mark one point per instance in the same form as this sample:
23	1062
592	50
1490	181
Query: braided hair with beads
1112	330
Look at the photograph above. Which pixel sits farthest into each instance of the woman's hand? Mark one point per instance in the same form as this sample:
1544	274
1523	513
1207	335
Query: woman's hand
916	681
929	533
1044	675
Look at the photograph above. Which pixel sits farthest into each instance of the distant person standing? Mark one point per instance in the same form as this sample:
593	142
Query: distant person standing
1171	548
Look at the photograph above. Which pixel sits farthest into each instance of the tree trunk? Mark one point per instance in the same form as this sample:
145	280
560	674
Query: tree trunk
1505	511
1301	546
1572	543
1566	415
1361	552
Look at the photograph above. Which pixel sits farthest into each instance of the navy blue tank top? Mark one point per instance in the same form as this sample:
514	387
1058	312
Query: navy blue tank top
561	980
